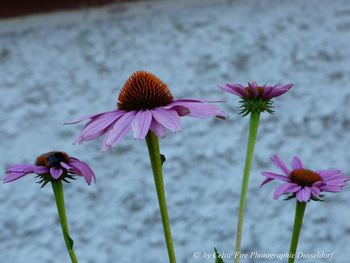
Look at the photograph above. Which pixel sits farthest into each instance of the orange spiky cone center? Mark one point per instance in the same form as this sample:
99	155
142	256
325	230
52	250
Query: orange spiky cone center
143	91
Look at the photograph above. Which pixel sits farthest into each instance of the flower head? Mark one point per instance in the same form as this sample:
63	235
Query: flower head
303	183
256	98
51	166
144	104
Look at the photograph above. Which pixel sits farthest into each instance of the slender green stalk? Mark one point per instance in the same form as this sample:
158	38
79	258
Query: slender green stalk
298	220
154	155
59	197
253	131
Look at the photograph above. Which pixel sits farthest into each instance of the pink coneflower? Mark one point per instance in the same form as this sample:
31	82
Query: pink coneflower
55	167
256	98
255	91
51	166
144	104
302	183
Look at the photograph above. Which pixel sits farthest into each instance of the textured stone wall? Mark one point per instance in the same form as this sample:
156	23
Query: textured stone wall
59	67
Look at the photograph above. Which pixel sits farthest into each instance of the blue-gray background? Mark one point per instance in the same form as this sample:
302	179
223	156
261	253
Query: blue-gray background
59	67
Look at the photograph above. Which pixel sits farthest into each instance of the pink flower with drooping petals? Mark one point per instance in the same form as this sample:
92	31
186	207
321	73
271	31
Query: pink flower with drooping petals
253	90
302	183
256	98
145	104
51	166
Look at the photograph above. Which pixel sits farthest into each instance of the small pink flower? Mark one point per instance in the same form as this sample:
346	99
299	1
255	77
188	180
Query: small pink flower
144	104
51	166
256	98
255	91
302	183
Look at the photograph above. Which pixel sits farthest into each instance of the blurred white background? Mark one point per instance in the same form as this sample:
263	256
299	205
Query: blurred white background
59	67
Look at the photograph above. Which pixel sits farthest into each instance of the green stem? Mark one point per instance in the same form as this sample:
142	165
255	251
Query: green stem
253	131
298	220
154	155
59	197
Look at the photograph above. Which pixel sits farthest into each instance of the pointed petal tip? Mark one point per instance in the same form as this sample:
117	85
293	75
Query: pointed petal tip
280	164
297	163
289	85
105	148
274	156
82	169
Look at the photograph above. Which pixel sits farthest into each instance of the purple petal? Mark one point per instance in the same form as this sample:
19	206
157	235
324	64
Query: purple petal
141	124
267	180
82	169
280	90
236	89
287	86
21	168
168	118
98	125
198	109
276	176
254	89
229	89
12	176
56	172
280	164
119	130
41	170
337	180
16	171
242	90
267	92
315	191
294	189
158	128
296	163
328	174
180	101
65	166
304	194
285	188
331	188
318	184
181	110
91	116
277	92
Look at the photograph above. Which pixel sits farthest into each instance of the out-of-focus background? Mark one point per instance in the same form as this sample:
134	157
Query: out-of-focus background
59	66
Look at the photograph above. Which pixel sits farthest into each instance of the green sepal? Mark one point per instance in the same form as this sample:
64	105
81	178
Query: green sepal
313	198
257	105
44	179
289	197
317	198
